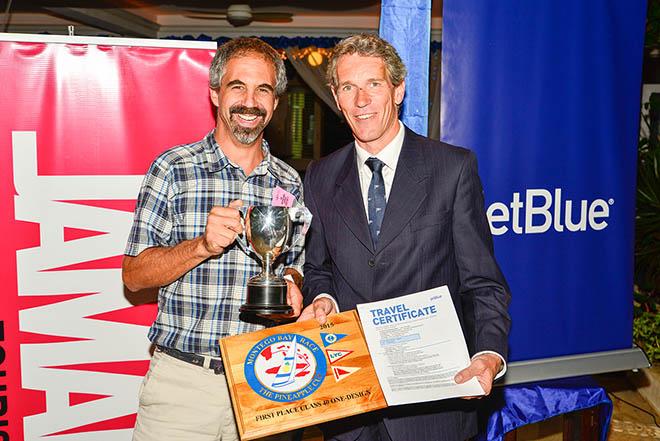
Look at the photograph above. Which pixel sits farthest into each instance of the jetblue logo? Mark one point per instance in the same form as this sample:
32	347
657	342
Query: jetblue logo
538	210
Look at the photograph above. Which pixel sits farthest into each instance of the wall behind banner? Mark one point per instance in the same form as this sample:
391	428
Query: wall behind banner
547	93
80	124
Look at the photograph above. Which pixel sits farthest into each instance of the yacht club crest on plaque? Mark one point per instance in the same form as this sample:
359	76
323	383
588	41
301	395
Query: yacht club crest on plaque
285	367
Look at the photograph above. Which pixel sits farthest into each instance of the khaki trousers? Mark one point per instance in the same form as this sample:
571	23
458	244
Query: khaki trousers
181	401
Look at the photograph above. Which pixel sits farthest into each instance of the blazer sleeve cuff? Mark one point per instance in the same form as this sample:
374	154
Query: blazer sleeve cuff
502	371
328	296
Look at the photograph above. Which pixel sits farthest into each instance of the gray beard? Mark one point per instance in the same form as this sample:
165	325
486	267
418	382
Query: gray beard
247	136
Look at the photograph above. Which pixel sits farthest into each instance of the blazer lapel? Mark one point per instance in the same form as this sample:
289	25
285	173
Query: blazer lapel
349	203
407	194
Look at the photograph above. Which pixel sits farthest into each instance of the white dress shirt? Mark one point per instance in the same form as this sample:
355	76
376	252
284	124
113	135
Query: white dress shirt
389	155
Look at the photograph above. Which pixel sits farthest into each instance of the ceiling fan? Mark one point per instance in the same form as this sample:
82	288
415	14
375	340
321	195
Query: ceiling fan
239	15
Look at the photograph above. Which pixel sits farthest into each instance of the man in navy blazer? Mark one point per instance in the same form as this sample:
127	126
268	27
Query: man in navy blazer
397	213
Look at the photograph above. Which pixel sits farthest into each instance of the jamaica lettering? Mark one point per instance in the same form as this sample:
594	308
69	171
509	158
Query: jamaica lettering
4	436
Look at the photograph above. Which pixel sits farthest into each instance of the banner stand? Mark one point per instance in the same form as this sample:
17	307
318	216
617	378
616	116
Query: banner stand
574	365
83	118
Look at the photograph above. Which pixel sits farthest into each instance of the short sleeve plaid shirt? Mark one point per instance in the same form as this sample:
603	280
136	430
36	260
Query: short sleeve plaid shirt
177	193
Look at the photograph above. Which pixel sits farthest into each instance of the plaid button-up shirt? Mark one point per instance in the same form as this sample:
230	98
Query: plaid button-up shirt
178	191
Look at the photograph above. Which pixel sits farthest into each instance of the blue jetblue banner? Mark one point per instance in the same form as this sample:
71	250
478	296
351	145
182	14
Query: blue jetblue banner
407	26
547	93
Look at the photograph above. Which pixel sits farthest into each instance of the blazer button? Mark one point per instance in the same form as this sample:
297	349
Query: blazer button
372	263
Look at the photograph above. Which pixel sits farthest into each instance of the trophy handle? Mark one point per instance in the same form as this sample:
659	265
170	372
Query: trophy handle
242	239
302	215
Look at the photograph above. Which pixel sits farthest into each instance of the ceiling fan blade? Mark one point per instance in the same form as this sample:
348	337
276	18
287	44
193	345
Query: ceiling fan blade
273	20
207	16
195	9
272	17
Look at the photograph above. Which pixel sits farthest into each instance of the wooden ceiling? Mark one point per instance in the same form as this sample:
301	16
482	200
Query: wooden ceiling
161	18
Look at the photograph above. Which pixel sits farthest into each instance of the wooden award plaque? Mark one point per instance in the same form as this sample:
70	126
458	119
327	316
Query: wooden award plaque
300	374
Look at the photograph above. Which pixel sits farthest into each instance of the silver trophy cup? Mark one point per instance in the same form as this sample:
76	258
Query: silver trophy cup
268	230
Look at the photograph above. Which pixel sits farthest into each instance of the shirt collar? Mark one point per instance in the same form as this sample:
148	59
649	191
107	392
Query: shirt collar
389	154
217	160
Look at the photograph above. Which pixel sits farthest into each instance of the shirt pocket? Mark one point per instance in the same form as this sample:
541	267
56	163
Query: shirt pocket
190	209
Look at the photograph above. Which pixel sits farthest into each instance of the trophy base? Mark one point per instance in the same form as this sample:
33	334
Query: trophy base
266	310
266	300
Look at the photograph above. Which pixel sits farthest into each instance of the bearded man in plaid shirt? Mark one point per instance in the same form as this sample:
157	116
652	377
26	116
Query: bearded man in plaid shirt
183	240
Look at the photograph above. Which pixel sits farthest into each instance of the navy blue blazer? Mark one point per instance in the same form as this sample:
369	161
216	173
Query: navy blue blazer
434	233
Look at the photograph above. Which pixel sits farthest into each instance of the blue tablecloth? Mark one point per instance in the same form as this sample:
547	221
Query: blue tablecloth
510	407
